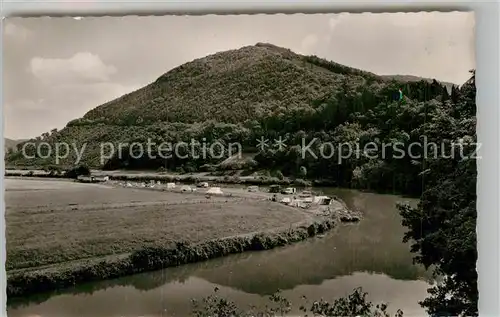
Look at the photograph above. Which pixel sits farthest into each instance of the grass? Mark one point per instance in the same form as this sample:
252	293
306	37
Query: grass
49	226
59	232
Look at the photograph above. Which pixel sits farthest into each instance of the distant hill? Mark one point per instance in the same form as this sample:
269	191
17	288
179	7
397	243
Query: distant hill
410	78
233	86
226	93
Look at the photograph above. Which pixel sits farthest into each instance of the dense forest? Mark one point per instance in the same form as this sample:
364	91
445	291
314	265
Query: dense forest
442	229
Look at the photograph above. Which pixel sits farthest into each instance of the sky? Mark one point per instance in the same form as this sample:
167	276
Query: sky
57	69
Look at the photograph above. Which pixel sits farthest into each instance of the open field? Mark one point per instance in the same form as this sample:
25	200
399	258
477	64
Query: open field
60	233
51	222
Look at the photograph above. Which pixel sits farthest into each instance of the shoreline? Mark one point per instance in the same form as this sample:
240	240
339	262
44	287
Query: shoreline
143	176
31	281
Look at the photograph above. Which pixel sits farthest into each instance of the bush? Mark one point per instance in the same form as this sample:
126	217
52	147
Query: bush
352	305
302	182
80	170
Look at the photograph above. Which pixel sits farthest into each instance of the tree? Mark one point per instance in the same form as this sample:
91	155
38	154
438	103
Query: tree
77	171
443	226
280	175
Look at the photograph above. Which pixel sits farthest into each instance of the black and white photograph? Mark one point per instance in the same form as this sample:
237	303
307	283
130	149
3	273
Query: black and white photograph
241	165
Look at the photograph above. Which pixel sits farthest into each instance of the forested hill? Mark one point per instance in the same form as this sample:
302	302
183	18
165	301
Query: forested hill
266	91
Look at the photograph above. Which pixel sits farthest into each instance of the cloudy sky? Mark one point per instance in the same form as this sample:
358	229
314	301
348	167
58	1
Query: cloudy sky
56	69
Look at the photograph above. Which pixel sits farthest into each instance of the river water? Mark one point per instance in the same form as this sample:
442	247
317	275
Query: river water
369	254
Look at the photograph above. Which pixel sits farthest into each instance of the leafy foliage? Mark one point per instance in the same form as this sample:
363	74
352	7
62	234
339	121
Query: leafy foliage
354	304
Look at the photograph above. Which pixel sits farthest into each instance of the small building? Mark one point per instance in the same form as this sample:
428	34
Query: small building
84	179
286	200
92	179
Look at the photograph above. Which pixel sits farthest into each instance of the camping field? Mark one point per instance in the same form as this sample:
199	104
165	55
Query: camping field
51	222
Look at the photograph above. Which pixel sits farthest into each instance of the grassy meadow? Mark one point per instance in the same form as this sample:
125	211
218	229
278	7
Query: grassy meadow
51	222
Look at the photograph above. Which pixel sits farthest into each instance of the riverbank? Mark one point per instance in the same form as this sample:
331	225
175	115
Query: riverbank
92	232
186	178
154	258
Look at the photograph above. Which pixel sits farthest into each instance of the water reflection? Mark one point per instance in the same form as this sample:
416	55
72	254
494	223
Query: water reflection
321	267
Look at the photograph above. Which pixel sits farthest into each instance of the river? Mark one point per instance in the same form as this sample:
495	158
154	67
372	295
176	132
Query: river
369	254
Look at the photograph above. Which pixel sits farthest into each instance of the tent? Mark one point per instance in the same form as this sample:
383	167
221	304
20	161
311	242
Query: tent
214	191
170	185
322	200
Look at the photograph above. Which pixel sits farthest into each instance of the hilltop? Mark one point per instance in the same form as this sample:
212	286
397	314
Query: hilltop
230	86
411	78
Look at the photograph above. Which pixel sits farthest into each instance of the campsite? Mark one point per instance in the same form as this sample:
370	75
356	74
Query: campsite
107	221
